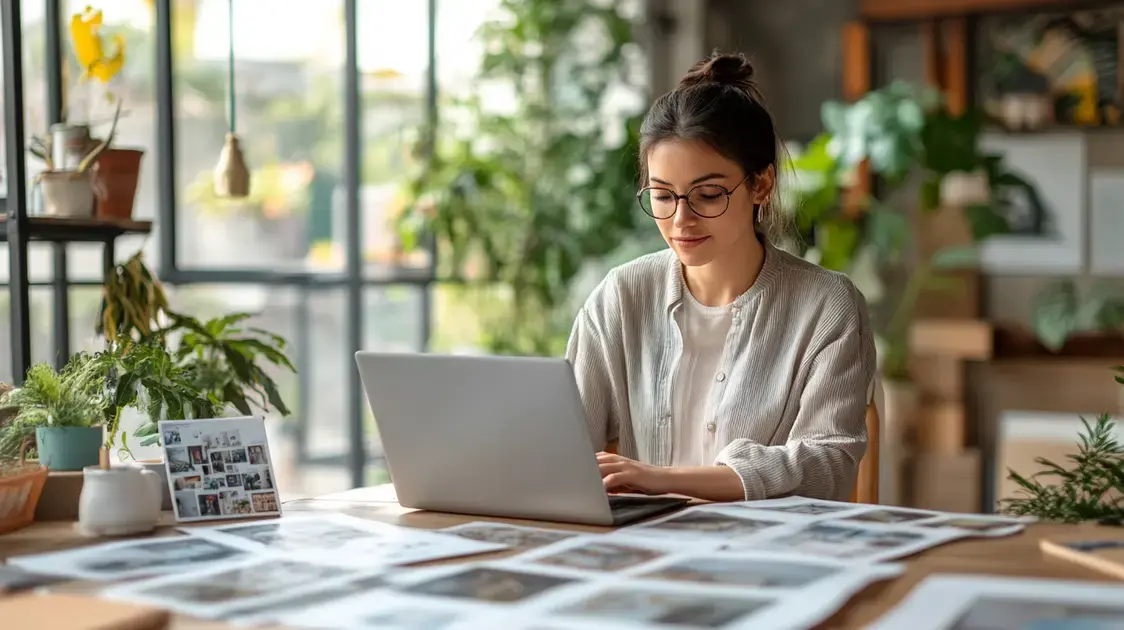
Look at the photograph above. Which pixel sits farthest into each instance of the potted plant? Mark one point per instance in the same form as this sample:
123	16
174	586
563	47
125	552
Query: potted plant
69	192
60	412
1090	489
118	169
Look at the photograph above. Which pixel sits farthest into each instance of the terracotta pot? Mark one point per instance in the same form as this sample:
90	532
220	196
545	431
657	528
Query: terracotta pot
118	171
899	412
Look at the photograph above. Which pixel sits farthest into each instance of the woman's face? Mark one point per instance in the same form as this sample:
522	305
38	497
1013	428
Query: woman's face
683	166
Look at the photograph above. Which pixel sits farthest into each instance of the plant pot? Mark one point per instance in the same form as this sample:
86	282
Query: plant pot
960	189
68	448
67	194
118	171
899	410
157	466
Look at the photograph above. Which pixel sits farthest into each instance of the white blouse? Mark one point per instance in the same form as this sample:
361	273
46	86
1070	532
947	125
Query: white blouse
704	330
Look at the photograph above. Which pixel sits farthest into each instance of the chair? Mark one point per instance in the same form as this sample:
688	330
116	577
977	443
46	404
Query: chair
866	483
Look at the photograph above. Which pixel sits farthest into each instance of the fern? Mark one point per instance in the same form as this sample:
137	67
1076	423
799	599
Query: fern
1091	489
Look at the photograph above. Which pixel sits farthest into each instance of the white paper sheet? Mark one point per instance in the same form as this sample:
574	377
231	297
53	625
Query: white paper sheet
394	611
222	588
605	553
130	558
513	536
343	540
714	523
978	524
863	542
272	612
972	602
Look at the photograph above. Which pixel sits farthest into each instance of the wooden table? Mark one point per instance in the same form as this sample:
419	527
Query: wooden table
1010	556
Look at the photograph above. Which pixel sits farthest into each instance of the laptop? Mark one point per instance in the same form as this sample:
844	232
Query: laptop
493	436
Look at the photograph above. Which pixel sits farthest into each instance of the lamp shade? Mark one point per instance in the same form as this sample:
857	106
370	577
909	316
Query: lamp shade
232	177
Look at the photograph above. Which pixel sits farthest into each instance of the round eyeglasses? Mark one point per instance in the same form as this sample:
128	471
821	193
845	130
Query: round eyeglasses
709	201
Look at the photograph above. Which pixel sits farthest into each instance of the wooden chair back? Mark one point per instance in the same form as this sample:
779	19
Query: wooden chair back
866	484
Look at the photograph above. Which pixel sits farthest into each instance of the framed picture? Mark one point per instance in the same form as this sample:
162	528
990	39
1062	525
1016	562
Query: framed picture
219	469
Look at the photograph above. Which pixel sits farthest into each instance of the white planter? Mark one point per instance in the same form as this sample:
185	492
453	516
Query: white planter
1026	111
960	189
67	194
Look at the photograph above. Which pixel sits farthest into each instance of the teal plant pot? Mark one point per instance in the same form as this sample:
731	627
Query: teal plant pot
68	448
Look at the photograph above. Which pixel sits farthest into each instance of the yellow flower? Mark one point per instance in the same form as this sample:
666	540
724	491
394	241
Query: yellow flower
85	31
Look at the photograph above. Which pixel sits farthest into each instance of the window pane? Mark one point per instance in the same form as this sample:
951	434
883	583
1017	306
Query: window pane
288	88
42	321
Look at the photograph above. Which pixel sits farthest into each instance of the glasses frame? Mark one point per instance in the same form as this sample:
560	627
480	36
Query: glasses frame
686	197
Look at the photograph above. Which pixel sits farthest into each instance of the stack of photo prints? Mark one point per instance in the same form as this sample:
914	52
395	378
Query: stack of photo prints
782	563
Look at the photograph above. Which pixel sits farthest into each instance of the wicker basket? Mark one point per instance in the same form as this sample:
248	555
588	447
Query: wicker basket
19	493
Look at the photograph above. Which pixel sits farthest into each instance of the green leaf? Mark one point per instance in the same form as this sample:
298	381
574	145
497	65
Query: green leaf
985	222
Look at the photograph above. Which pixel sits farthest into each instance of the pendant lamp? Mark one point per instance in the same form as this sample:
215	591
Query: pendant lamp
232	177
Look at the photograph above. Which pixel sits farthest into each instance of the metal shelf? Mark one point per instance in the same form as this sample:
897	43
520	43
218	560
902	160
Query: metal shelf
67	230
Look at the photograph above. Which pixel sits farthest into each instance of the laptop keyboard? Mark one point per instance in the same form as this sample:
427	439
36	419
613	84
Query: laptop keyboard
630	508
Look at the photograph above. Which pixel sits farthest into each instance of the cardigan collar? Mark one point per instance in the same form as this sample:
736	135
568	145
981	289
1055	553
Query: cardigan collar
770	270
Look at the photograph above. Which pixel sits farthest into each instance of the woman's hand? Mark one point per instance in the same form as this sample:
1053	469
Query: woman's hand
622	474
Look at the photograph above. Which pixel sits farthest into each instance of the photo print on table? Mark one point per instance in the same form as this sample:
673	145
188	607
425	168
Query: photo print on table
978	525
743	572
709	523
598	553
213	593
219	468
299	604
388	610
665	606
866	542
514	536
131	558
891	516
488	584
343	540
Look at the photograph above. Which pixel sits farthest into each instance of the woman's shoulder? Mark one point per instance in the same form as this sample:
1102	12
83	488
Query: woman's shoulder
822	293
633	284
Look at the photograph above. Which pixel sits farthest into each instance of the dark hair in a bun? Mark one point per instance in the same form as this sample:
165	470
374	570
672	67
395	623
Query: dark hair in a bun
719	103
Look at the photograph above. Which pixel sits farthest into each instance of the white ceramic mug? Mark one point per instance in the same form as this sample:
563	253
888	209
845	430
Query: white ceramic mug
119	501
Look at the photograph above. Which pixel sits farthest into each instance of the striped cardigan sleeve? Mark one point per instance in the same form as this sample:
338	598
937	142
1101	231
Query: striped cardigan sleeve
828	438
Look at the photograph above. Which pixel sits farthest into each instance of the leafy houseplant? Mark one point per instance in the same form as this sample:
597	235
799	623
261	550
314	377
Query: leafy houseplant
532	192
172	366
1092	489
1062	310
901	135
60	412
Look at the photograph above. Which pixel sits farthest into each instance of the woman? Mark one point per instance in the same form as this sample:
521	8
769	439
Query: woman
725	368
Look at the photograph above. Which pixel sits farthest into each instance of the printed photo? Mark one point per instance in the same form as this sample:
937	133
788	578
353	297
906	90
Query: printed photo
206	469
186	504
264	501
409	617
196	455
172	436
509	535
709	523
995	613
489	584
744	572
209	505
234	438
240	584
235	502
605	556
187	482
233	481
889	516
640	605
843	541
214	483
275	610
216	461
178	460
811	509
257	481
257	455
238	456
288	535
973	524
129	559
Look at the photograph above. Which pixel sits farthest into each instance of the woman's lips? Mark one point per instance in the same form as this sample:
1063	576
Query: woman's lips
690	241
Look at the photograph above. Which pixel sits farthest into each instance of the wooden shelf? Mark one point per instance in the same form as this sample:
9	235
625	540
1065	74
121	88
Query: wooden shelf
64	230
964	339
900	10
1019	343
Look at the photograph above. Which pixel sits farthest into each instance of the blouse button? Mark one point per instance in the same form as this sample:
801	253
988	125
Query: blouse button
710	426
721	377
